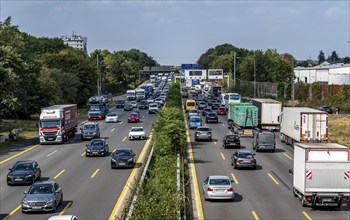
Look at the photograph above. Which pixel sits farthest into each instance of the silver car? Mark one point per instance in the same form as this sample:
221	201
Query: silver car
203	133
111	117
218	187
42	196
193	112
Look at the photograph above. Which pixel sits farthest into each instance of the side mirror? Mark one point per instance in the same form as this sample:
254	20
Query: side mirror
254	154
106	145
10	169
232	181
25	192
290	171
86	145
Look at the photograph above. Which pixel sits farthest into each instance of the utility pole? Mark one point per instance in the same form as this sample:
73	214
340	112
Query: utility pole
234	70
98	77
254	77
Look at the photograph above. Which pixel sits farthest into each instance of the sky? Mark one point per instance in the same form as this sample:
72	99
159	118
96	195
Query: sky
177	32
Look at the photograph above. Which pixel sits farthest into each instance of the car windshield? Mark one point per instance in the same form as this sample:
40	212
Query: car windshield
89	127
120	101
193	111
232	137
219	182
96	143
203	129
133	103
137	129
41	189
207	110
246	155
133	115
122	153
190	104
222	109
234	97
23	166
111	114
95	108
211	114
195	119
50	123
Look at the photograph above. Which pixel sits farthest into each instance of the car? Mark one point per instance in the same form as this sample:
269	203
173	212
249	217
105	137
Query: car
143	104
194	121
43	196
63	217
24	172
128	107
150	100
210	102
203	133
193	112
133	117
221	111
137	133
264	140
215	106
111	117
90	130
184	94
97	147
123	157
206	111
202	105
243	159
119	103
153	108
211	117
133	104
159	101
231	140
327	109
217	187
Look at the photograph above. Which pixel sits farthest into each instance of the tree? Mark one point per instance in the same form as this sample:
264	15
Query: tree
346	60
333	58
321	57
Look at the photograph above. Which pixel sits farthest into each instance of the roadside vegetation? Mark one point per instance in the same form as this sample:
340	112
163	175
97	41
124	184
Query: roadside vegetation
339	129
158	197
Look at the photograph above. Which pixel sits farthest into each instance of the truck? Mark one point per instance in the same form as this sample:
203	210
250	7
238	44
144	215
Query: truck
153	78
148	90
57	123
269	110
302	124
140	94
321	174
216	91
243	118
227	98
131	95
97	111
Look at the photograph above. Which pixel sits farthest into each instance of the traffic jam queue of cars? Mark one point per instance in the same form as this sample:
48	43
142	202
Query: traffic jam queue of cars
47	196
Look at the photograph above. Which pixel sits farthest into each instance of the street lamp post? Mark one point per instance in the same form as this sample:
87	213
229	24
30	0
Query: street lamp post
234	70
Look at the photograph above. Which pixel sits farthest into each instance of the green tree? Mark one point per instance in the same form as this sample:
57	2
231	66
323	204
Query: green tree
321	57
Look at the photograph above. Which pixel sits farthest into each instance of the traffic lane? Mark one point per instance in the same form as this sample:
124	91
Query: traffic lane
74	188
208	161
276	166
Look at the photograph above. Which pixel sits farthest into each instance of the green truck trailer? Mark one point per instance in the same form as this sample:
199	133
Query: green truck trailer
243	118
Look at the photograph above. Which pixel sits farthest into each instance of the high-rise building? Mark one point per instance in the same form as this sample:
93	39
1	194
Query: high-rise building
76	41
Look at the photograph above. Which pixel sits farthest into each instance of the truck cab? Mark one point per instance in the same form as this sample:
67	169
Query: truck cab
97	112
131	95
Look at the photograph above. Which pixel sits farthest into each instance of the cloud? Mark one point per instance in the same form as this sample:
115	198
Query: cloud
333	13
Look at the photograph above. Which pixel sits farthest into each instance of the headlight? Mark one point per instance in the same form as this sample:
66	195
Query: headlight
130	159
114	160
102	149
50	201
88	150
24	202
30	175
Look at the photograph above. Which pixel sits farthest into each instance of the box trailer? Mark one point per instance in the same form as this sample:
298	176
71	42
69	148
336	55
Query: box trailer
243	118
321	174
58	123
269	110
300	124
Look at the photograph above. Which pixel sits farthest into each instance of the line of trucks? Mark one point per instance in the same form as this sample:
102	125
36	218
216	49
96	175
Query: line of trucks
321	170
139	94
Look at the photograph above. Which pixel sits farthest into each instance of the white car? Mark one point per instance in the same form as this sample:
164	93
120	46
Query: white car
153	108
149	101
159	101
111	117
133	104
137	133
63	217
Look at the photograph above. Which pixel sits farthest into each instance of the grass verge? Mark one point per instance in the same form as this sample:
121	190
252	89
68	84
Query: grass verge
339	129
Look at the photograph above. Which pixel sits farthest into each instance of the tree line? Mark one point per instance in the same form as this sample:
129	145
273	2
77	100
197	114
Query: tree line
39	72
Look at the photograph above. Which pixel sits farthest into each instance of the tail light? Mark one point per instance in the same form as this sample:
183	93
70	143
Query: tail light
230	190
308	198
209	133
253	161
210	189
274	142
226	141
344	199
238	161
216	117
239	140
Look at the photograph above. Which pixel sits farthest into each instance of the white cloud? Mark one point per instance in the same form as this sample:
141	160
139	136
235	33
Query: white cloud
333	13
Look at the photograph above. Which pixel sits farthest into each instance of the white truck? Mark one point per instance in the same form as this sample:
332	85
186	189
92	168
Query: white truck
301	124
140	94
321	174
131	94
269	110
58	123
227	98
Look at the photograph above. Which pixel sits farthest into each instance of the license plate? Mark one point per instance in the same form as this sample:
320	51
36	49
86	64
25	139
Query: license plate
36	207
136	136
94	152
219	190
50	139
262	146
327	200
121	163
18	179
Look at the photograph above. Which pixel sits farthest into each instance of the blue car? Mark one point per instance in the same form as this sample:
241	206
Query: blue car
194	122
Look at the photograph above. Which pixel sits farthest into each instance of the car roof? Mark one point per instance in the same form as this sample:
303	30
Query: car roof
244	151
136	127
195	116
44	182
24	161
203	127
62	217
98	139
123	148
90	123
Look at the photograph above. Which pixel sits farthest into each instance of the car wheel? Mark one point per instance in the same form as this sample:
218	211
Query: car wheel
81	137
39	177
54	208
254	167
23	211
234	166
303	202
61	201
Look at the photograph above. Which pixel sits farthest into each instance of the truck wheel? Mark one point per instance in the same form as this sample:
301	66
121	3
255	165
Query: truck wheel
295	193
303	202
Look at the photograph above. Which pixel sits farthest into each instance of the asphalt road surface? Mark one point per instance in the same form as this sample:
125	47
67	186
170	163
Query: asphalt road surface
264	193
90	187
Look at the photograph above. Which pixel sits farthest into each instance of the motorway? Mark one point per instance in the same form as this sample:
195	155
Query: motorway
90	187
264	193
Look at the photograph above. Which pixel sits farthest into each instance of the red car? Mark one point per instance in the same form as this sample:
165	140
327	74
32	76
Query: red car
133	118
222	111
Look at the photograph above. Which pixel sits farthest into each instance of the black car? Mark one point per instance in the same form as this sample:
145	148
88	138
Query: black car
231	140
215	106
143	104
128	107
185	94
211	117
123	157
97	147
24	172
327	109
206	111
119	103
